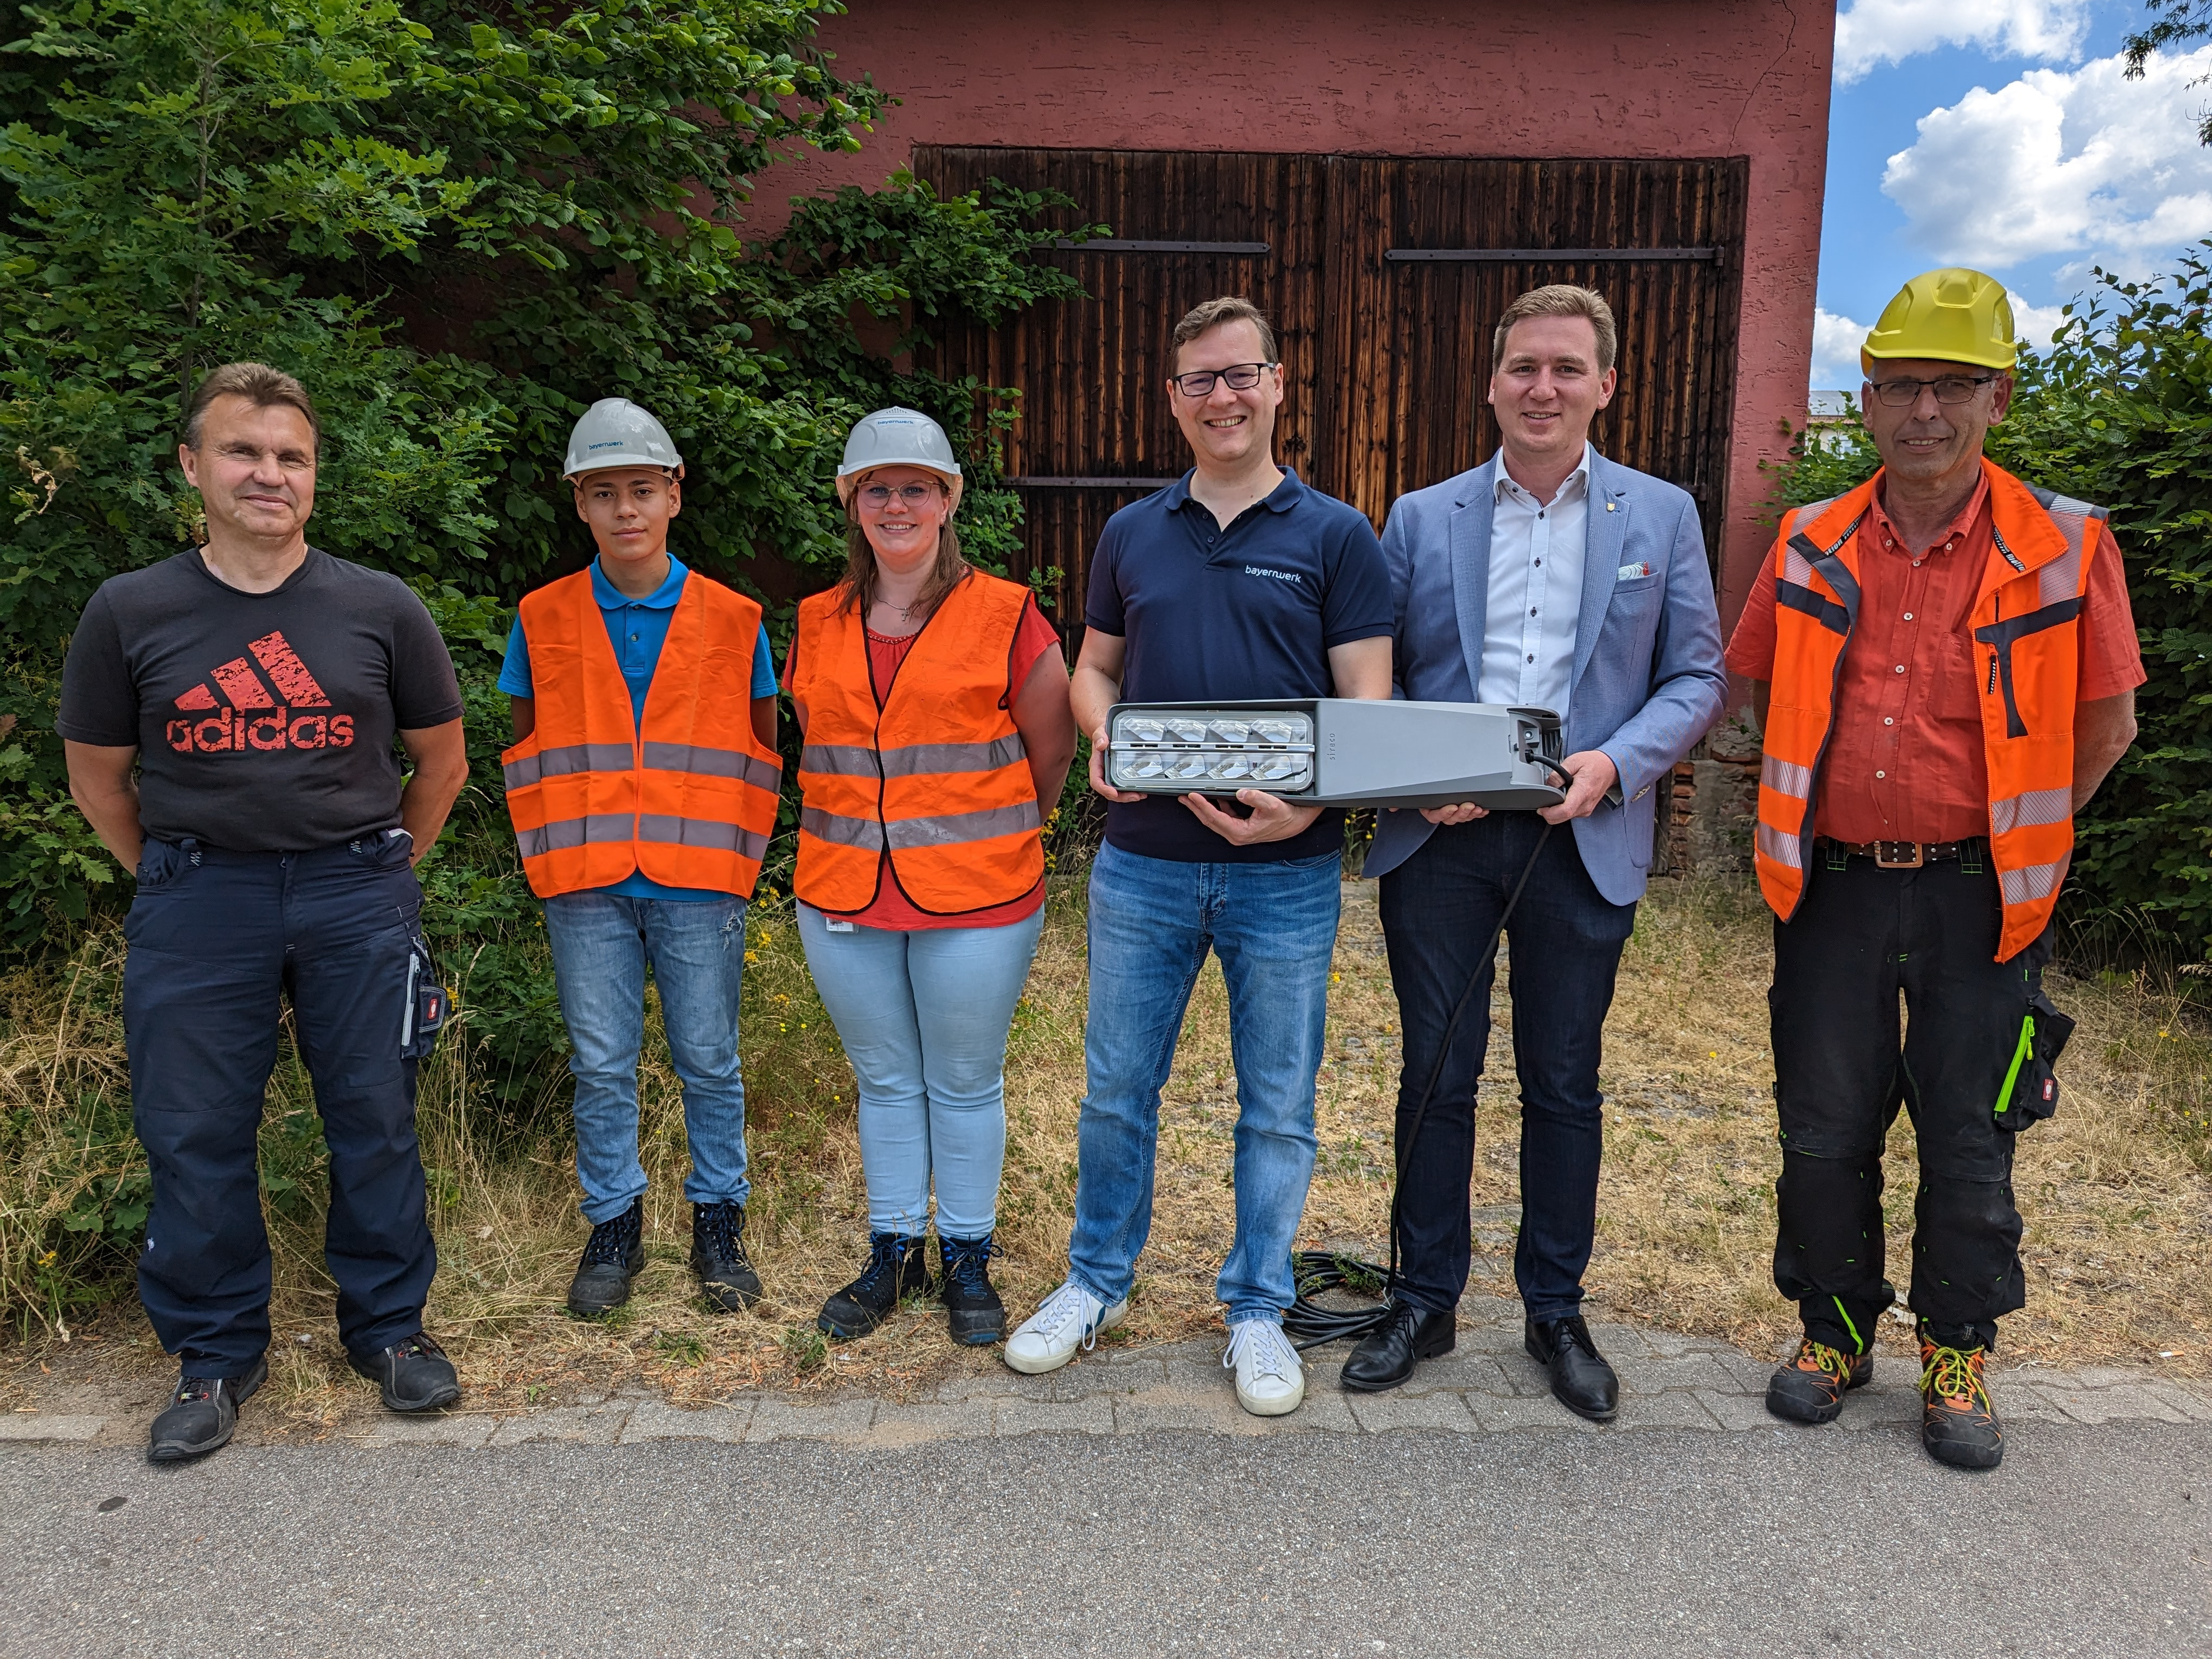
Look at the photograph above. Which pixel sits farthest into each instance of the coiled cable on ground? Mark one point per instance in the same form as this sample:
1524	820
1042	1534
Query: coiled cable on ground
1314	1273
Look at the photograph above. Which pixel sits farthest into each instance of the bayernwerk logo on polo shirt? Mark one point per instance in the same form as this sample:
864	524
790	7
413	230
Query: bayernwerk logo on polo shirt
244	710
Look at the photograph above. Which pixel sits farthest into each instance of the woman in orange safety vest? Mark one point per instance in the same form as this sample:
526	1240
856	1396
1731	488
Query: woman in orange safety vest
932	701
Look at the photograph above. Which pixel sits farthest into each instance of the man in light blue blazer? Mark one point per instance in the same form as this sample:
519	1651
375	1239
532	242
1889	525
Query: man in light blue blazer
1547	577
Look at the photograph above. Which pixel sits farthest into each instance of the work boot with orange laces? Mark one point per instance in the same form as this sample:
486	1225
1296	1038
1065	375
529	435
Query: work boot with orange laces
1810	1388
1957	1424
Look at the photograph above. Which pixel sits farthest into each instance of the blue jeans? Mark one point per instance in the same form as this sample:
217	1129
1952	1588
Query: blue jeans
601	944
1152	923
923	1017
1566	940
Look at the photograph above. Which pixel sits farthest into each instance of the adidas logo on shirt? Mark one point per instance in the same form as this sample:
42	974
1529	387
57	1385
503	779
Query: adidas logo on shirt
280	707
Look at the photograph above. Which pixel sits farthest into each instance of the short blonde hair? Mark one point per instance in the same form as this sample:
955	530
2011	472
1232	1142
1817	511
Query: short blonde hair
1560	300
1211	314
258	384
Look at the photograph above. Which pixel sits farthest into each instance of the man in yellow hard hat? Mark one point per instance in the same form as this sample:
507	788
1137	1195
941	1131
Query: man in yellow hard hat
1944	665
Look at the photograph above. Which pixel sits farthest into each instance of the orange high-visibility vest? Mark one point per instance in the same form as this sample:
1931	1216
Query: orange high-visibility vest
936	776
2026	626
690	799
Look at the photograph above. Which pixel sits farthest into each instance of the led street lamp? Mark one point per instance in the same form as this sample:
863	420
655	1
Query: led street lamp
1339	751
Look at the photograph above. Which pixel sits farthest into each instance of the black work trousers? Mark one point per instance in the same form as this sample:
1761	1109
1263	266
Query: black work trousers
217	941
1863	937
1566	939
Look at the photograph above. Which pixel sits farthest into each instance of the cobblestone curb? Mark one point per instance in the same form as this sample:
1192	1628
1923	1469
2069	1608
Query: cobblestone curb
1488	1386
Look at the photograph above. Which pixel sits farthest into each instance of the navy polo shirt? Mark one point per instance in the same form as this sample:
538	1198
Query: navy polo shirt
1248	612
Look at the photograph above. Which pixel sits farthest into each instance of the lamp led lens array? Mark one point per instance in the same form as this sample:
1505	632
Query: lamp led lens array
1202	749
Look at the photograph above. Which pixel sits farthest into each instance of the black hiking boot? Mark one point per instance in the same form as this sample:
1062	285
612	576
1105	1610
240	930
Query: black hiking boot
1957	1424
413	1375
201	1415
971	1307
1810	1386
727	1278
897	1268
614	1257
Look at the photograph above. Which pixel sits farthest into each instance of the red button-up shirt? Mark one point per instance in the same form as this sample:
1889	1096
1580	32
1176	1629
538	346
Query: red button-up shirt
1905	760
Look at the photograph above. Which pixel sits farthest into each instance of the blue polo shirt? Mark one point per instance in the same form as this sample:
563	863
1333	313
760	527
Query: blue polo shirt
1248	612
637	628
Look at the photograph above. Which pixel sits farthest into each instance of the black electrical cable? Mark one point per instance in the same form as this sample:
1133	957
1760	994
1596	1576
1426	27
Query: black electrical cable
1314	1271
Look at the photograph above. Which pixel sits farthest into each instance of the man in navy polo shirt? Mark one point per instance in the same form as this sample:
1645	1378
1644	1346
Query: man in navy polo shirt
1238	581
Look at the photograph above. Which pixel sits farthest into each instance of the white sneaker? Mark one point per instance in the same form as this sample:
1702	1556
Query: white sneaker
1270	1380
1070	1318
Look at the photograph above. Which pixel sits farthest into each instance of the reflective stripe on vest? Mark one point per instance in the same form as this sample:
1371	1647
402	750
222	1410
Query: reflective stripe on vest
593	798
2025	624
934	785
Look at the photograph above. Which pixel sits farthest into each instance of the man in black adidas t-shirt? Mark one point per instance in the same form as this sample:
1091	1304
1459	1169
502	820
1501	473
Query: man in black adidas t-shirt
255	687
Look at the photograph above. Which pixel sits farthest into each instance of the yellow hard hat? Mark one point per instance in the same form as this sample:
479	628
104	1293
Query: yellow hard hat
1953	315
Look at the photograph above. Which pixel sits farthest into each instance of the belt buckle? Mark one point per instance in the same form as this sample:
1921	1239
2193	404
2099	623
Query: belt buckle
1883	860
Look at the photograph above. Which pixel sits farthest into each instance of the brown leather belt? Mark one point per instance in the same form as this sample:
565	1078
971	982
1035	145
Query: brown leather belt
1904	854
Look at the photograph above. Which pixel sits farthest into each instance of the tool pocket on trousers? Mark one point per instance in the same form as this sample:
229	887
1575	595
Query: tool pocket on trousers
424	1014
2030	1091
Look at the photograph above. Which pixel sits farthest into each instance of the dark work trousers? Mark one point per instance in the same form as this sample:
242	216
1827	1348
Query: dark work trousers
218	939
1563	944
1862	936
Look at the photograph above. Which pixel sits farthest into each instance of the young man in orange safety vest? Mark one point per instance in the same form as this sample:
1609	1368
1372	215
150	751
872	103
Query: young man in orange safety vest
642	785
1944	665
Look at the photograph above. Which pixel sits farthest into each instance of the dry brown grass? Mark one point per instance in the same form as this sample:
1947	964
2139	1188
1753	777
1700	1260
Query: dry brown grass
2118	1187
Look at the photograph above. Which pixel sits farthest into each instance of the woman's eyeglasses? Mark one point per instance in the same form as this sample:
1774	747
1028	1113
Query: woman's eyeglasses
1199	383
878	497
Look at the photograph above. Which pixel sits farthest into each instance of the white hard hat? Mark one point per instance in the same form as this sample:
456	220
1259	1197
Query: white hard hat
616	432
898	437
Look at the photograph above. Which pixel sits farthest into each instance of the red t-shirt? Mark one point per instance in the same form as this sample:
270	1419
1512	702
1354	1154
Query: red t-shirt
1906	759
892	910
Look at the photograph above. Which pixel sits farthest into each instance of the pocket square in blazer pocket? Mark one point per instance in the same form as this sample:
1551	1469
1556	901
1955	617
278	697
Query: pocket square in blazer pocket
1630	573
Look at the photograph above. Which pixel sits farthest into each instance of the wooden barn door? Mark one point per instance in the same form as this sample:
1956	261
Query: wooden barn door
1385	277
1423	256
1095	432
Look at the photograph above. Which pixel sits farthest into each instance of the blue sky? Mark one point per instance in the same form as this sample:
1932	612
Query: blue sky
1999	133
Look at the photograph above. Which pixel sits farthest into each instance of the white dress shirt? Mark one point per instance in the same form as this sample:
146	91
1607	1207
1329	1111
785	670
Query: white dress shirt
1536	550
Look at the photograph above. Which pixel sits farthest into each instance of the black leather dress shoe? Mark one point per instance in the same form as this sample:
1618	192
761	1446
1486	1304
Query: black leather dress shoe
1386	1357
1581	1380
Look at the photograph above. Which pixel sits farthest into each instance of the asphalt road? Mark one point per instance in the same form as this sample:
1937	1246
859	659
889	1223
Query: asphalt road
2088	1541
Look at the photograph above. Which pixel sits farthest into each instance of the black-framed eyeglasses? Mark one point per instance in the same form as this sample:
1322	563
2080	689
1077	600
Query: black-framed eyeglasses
1199	383
878	497
1949	389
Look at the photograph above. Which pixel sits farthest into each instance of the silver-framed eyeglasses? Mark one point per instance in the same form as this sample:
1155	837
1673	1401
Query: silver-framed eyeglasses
878	497
1199	383
1949	389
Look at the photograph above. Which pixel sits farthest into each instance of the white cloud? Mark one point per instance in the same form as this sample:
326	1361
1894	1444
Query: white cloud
2035	324
1836	342
1875	32
2061	162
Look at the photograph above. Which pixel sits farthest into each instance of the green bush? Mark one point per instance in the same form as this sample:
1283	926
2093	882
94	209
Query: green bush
2118	411
459	222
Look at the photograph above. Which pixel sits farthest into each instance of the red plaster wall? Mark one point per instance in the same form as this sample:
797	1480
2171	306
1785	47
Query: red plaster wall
1562	78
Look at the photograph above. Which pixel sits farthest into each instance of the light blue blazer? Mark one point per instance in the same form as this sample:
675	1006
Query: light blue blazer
1647	678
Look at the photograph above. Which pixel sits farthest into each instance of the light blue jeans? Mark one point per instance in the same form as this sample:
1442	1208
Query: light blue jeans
601	945
1153	921
923	1017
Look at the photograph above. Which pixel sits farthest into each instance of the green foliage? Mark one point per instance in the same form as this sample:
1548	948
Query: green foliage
2118	411
460	223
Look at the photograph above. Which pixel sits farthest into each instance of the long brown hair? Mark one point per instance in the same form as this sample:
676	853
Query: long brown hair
860	562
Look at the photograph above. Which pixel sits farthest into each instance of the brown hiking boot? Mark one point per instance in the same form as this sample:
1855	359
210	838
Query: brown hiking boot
1957	1424
1810	1388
